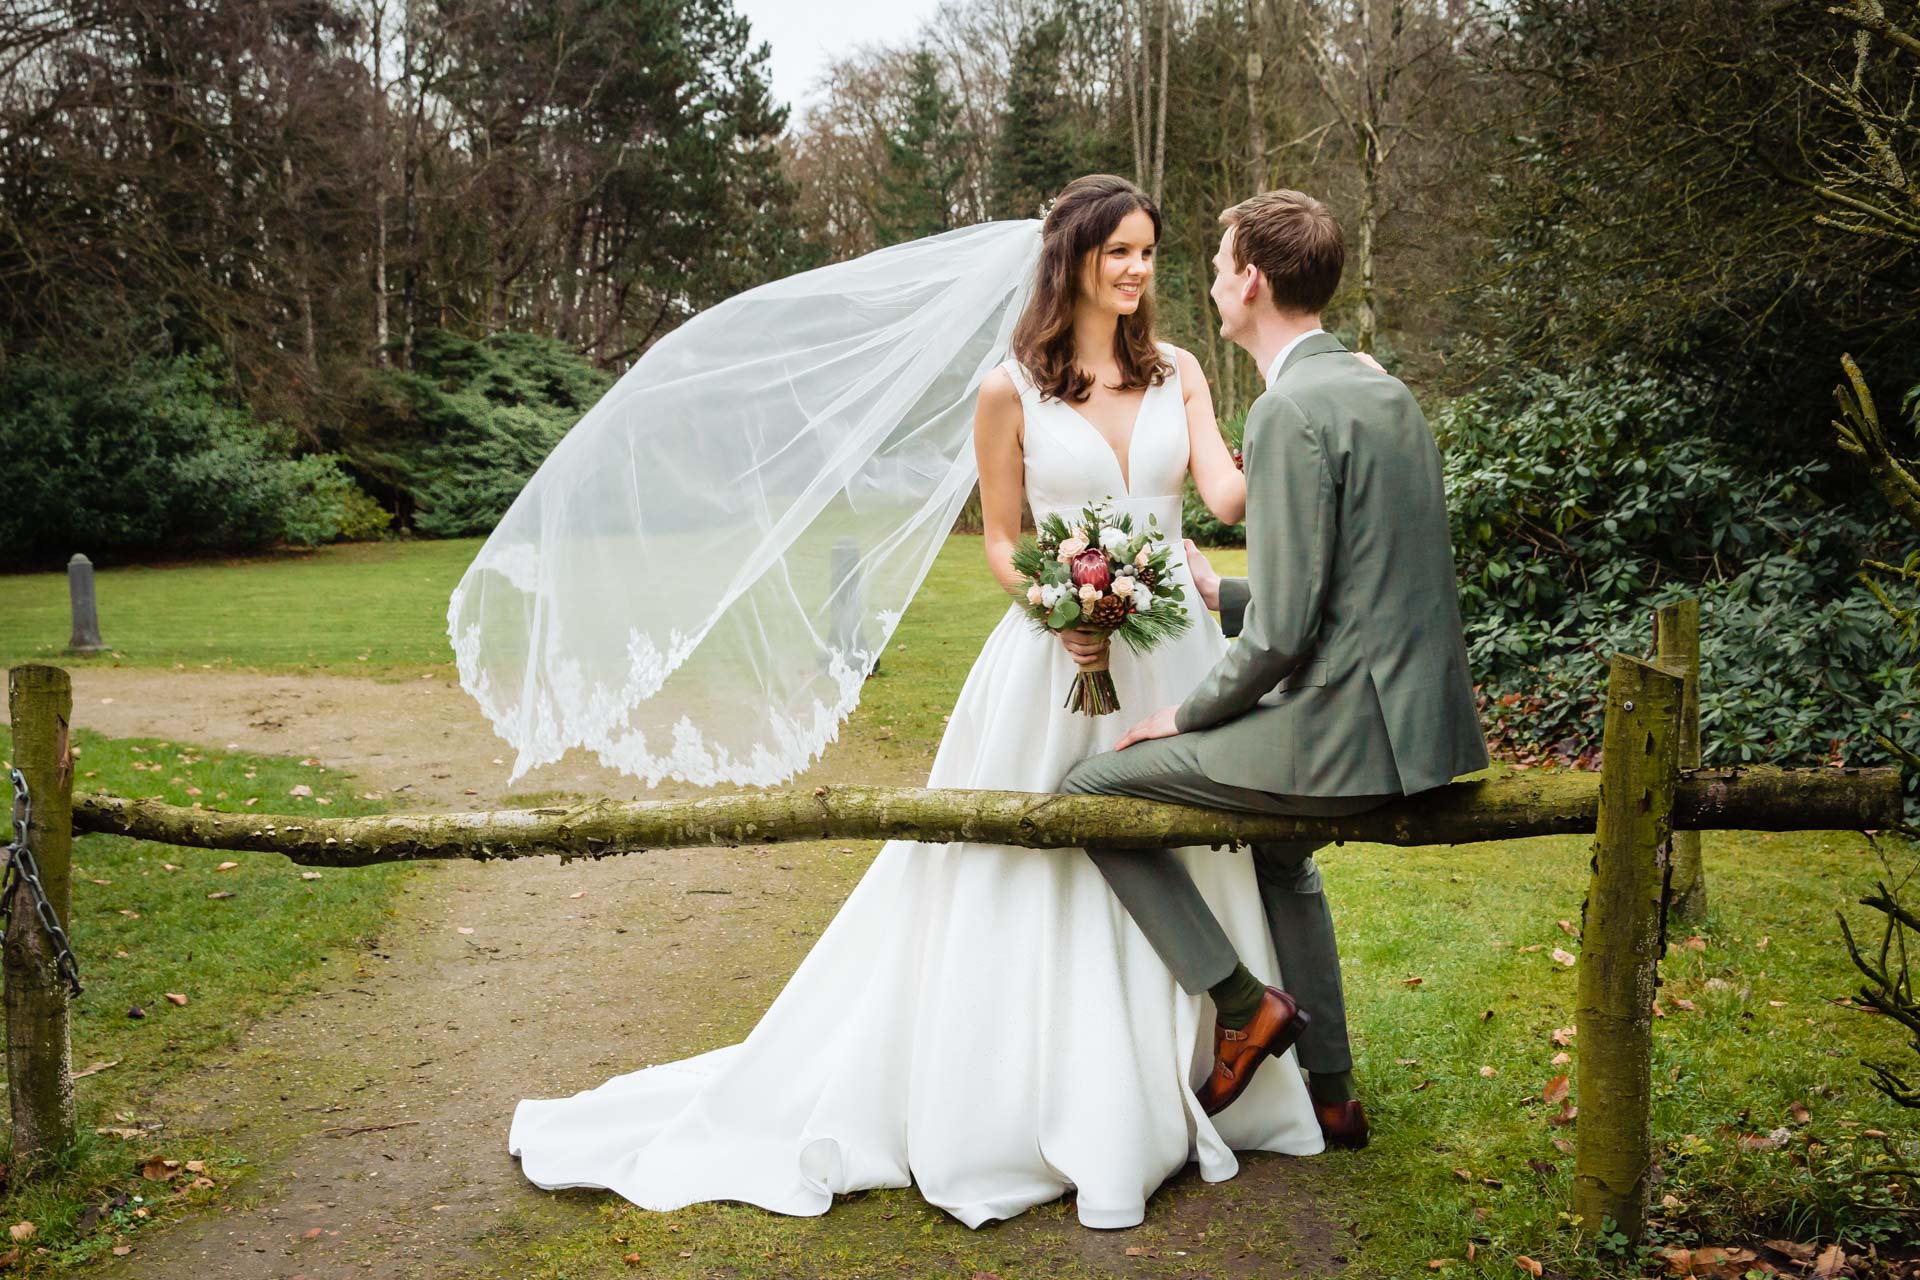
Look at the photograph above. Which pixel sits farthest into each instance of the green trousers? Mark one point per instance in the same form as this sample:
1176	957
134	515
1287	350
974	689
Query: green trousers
1163	900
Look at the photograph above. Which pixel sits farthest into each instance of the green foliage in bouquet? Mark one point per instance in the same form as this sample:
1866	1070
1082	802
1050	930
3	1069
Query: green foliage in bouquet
1038	560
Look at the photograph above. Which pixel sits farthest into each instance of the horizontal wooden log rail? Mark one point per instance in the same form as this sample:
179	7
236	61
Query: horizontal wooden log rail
1513	807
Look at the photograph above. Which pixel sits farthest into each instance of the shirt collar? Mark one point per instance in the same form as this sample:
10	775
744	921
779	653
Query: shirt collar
1280	361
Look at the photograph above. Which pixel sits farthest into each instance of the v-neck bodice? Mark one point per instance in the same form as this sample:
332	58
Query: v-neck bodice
1069	462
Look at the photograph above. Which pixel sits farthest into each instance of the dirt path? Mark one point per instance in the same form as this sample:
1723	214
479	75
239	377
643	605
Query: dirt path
380	1105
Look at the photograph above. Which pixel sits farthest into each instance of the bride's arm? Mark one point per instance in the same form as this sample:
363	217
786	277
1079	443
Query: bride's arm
997	420
1222	487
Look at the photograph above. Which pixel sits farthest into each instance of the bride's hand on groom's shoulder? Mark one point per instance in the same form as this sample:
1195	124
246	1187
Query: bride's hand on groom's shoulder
1205	579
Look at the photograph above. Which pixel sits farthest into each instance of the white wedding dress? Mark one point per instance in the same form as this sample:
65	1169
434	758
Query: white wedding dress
985	1023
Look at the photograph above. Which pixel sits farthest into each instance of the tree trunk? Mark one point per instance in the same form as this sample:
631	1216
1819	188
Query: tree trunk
39	1050
1676	644
1369	322
1529	804
1256	68
1620	947
1160	126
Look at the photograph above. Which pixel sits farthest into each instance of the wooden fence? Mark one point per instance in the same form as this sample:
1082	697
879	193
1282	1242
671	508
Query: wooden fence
1645	800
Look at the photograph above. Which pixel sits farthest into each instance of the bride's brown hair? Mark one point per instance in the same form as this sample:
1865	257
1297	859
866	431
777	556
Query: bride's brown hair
1083	215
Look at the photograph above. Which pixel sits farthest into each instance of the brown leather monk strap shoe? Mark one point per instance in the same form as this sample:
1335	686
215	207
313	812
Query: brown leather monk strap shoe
1276	1024
1342	1124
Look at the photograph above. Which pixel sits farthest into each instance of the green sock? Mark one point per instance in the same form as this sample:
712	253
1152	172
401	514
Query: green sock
1330	1086
1237	997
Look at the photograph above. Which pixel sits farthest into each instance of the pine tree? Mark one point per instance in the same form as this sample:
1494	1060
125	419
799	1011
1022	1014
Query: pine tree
1035	154
926	159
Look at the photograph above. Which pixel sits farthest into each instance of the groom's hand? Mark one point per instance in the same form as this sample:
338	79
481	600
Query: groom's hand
1205	580
1158	725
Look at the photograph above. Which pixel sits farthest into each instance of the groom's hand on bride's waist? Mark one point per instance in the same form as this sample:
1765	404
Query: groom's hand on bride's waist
1205	580
1158	725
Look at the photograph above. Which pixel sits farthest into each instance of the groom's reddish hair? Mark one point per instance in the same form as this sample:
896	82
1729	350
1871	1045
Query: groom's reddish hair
1295	242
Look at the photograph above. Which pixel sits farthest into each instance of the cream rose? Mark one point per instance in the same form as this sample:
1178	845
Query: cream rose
1033	594
1089	593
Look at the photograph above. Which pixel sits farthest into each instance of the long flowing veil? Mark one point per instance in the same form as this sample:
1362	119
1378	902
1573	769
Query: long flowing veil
698	579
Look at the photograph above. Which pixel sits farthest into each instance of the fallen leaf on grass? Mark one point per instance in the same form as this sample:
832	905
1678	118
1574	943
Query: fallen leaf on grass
1528	1265
1563	1146
1463	1175
1567	927
1543	1168
175	997
309	875
314	1233
1412	982
301	790
1135	1251
159	1169
1561	1059
1794	1249
1556	1090
22	1231
226	866
1831	1259
1435	1264
1564	1036
1687	1006
196	1166
1562	957
224	893
1407	1062
94	1069
131	915
632	1259
1800	1113
1762	1142
1696	943
1489	1072
1564	1116
122	1250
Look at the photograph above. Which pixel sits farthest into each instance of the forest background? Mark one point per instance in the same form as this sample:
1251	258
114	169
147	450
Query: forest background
286	272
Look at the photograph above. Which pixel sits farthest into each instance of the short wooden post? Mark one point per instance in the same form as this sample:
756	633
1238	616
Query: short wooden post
39	1052
1620	946
1676	646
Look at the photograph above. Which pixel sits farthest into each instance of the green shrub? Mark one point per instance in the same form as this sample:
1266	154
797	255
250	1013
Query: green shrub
157	458
1581	502
454	439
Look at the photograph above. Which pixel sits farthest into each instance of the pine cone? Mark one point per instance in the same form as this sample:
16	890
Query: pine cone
1146	577
1107	612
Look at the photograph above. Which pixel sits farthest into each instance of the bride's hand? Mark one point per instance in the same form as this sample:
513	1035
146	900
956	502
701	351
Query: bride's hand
1364	358
1087	647
1205	580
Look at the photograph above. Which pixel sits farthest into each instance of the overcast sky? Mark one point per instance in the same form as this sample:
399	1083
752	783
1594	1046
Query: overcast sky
806	35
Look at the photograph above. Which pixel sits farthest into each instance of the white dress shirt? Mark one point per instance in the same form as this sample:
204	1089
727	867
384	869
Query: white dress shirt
1279	361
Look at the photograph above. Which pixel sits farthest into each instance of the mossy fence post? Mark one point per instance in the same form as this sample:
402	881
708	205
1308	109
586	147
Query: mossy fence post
1676	646
1620	945
39	1051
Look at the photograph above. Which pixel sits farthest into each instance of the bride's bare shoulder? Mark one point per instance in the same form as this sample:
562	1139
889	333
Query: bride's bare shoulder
997	414
999	397
1188	366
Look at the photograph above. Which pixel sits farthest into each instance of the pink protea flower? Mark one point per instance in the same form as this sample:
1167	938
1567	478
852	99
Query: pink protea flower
1090	570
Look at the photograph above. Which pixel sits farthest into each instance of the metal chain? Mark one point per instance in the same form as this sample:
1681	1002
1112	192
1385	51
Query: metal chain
21	867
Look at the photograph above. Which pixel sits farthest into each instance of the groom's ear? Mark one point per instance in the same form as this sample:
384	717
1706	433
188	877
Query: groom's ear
1250	282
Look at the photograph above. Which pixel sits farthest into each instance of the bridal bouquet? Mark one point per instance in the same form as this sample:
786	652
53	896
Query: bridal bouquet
1103	575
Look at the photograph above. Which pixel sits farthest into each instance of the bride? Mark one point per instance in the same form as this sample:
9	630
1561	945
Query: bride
985	1023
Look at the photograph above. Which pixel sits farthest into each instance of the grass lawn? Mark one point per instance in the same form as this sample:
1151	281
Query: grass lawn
1455	994
151	920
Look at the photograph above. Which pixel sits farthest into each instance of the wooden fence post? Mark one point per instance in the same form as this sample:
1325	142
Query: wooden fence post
39	1052
1676	645
1620	946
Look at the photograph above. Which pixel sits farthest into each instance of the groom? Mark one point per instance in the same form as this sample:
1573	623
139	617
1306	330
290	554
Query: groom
1348	685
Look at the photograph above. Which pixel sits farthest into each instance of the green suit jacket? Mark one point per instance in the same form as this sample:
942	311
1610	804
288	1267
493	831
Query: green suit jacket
1349	676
